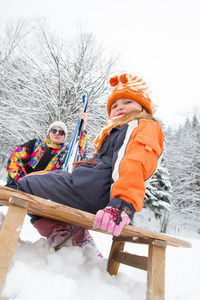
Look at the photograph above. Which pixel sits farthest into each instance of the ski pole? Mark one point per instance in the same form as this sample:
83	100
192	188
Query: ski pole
74	145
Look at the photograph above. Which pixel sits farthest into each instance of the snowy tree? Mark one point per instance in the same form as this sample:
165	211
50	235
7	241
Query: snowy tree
158	195
14	35
11	37
184	164
45	82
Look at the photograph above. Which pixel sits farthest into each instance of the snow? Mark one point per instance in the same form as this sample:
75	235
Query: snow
39	272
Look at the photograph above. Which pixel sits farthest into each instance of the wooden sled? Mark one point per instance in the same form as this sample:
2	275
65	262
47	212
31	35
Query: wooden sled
20	203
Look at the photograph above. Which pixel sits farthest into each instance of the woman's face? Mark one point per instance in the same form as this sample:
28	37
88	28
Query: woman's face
123	106
58	136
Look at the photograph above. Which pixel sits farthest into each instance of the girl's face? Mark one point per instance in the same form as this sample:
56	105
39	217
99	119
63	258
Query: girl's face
123	106
58	136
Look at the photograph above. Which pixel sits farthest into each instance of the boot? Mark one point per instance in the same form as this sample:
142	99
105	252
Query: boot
61	234
83	238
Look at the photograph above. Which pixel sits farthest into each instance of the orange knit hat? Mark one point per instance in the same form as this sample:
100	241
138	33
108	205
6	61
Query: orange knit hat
129	87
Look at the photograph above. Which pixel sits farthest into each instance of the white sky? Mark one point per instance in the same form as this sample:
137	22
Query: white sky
157	39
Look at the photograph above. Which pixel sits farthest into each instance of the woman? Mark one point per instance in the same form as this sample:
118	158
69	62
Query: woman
36	155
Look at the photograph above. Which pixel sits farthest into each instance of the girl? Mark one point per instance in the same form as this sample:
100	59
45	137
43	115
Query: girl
112	183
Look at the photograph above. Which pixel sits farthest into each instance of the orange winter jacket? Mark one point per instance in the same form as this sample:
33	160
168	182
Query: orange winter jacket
137	161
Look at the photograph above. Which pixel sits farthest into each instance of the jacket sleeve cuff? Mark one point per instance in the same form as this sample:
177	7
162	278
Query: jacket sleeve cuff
123	206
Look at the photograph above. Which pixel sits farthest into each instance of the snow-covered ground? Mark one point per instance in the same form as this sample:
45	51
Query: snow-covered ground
38	272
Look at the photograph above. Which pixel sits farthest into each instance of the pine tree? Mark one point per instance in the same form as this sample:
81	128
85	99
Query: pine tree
158	195
184	163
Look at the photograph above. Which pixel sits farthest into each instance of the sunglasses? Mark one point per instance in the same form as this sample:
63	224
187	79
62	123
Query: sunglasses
60	132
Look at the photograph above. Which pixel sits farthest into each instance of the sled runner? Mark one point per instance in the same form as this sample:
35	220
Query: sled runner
20	203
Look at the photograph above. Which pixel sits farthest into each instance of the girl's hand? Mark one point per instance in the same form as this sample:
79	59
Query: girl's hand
111	219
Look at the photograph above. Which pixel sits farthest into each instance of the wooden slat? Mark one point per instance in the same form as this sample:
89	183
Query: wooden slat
19	202
156	272
113	266
130	239
52	210
138	240
9	236
132	260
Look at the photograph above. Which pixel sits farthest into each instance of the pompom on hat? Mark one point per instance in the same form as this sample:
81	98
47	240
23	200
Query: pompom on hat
58	124
129	87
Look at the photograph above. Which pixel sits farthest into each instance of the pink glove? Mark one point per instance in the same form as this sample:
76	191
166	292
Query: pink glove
111	219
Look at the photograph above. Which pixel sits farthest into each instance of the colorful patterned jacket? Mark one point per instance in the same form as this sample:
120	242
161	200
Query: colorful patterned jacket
36	155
